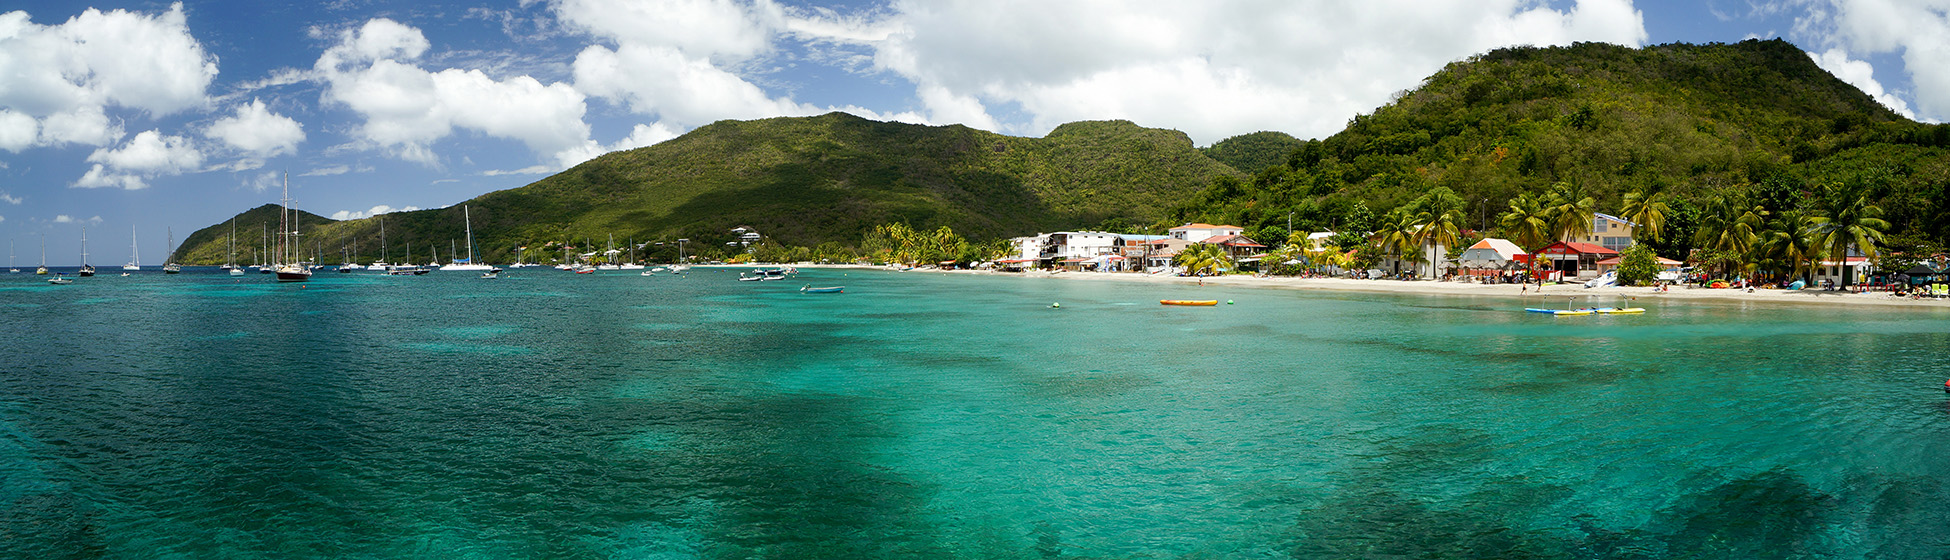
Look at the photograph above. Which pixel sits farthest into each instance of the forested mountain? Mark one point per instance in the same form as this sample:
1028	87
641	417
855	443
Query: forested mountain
803	181
1718	132
1743	125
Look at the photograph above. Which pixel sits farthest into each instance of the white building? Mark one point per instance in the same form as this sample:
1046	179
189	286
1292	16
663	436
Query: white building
1196	232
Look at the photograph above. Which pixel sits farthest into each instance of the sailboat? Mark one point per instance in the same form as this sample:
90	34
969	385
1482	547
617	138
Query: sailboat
42	271
290	270
169	264
135	255
469	263
86	269
10	258
232	241
632	264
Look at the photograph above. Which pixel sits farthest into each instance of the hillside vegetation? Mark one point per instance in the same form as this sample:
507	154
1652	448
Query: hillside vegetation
1750	124
806	181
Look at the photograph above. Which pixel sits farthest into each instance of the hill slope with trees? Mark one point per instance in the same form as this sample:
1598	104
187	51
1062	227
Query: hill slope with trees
804	181
1702	131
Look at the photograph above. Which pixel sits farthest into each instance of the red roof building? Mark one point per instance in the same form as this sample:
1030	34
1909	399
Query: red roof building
1575	259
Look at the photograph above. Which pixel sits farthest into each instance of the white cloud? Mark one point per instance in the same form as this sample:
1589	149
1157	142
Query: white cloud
10	199
1920	29
1213	69
328	171
1861	75
640	136
66	219
374	211
67	75
257	131
147	155
17	131
407	109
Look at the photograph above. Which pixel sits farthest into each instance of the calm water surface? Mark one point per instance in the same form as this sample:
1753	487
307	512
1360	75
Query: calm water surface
548	415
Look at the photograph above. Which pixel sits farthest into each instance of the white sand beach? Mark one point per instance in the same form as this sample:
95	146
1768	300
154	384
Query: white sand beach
1554	295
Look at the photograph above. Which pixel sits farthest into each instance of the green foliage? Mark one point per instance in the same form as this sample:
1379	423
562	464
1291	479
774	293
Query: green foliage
1253	152
1203	259
1753	123
1638	266
803	182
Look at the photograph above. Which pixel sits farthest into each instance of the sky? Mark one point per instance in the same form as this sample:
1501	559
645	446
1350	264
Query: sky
152	119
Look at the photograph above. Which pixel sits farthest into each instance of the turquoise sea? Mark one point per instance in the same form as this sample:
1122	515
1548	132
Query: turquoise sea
550	415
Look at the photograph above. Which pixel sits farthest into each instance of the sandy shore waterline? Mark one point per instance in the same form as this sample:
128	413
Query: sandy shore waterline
1547	296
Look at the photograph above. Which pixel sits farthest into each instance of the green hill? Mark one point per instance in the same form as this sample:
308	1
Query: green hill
1255	151
1756	121
805	181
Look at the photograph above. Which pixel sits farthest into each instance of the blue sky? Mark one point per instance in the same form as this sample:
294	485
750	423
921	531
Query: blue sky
158	116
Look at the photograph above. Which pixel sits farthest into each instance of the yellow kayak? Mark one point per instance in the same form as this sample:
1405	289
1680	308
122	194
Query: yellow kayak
1189	301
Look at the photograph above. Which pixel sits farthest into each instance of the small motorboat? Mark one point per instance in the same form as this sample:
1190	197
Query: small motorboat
826	290
60	279
490	275
1198	302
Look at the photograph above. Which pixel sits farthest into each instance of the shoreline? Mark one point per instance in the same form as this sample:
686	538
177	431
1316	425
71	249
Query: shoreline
1557	292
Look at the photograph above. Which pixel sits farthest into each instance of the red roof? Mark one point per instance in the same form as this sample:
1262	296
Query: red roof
1231	241
1575	248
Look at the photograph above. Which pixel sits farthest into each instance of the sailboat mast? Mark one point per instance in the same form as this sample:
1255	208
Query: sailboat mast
469	217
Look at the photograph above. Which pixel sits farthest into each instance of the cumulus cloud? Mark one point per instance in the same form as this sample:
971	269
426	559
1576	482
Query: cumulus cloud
10	199
373	71
257	131
148	155
64	77
66	219
640	136
1920	29
1212	69
1861	75
370	212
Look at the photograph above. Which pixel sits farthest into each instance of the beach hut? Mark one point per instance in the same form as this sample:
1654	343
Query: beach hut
1493	253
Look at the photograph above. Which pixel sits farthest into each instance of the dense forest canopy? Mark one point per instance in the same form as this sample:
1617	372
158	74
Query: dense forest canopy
1755	123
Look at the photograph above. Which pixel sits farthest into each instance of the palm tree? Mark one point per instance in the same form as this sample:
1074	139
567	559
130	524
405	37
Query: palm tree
1528	222
1649	212
1730	227
1844	218
1436	229
1571	211
1792	238
1397	232
1203	258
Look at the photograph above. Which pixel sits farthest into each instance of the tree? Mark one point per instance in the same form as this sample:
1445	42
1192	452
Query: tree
1528	222
1844	218
1791	238
1203	259
1437	229
1395	233
1649	212
1638	265
1571	210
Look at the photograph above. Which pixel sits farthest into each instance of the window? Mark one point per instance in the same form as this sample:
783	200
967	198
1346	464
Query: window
1598	225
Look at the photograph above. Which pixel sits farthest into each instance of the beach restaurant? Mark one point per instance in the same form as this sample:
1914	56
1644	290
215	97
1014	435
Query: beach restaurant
1575	259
